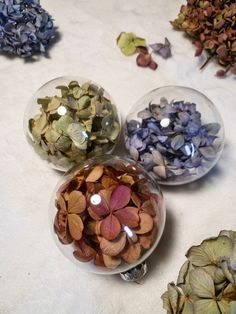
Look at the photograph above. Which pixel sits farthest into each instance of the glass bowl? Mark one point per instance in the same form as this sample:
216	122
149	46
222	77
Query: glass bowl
70	119
107	215
175	133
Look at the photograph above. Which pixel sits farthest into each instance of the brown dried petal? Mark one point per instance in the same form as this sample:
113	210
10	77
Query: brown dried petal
92	214
110	227
62	203
95	174
131	253
92	227
108	182
128	216
148	207
146	240
114	247
76	226
76	202
111	262
136	200
60	227
98	260
145	224
84	252
127	179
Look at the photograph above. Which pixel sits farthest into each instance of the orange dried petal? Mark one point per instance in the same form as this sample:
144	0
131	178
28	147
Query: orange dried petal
62	203
127	179
111	262
76	226
76	202
95	174
108	182
110	227
148	207
145	225
131	253
114	247
128	216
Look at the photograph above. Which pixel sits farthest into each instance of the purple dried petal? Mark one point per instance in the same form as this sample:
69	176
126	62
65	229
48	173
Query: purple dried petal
120	197
165	52
208	152
177	142
212	128
134	153
162	49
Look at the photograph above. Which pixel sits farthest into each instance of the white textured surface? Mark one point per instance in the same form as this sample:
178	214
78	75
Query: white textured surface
34	276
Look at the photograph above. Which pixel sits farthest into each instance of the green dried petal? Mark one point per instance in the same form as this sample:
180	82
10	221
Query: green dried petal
174	294
140	42
84	102
88	124
73	84
52	135
85	86
233	307
53	104
78	134
206	306
183	273
63	123
44	102
63	144
224	306
166	302
64	90
216	273
84	114
115	132
125	42
78	92
202	283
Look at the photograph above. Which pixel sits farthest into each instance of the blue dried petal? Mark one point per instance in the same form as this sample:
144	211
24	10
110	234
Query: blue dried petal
25	27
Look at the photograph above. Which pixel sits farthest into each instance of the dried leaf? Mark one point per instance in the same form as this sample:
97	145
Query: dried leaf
114	247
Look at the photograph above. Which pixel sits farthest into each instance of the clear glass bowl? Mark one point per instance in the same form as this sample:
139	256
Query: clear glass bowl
67	122
107	215
175	133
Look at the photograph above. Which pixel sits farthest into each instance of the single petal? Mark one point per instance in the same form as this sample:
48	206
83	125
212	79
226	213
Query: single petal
148	207
160	171
206	306
131	253
84	252
114	247
111	262
110	227
76	226
153	65
145	225
120	197
108	182
95	174
177	142
202	283
93	215
208	152
135	199
98	260
146	240
128	216
62	203
76	202
61	226
127	179
143	60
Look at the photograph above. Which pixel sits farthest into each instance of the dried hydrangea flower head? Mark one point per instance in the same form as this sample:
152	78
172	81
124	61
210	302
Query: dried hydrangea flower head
109	213
207	280
25	27
81	122
212	26
170	140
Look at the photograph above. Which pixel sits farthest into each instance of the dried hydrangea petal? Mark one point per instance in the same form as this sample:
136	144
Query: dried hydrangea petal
114	247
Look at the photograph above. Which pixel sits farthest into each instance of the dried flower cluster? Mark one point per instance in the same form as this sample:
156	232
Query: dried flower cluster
130	44
108	213
171	140
79	124
207	281
212	25
25	27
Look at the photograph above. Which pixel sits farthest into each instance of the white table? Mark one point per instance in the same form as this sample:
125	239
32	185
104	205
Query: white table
34	276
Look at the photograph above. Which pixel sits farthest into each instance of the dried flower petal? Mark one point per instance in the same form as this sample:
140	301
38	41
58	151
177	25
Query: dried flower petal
120	197
114	247
131	253
76	202
128	216
76	226
145	224
84	252
110	227
95	174
111	262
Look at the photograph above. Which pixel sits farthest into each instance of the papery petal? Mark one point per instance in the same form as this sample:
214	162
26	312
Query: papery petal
76	226
84	252
110	227
114	247
128	216
120	197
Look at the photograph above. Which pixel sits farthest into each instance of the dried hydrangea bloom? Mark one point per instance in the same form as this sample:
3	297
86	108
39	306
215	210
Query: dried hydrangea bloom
212	25
109	213
207	280
81	122
25	27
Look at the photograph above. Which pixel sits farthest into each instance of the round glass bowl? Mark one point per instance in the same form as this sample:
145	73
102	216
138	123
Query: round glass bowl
175	133
107	215
70	119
